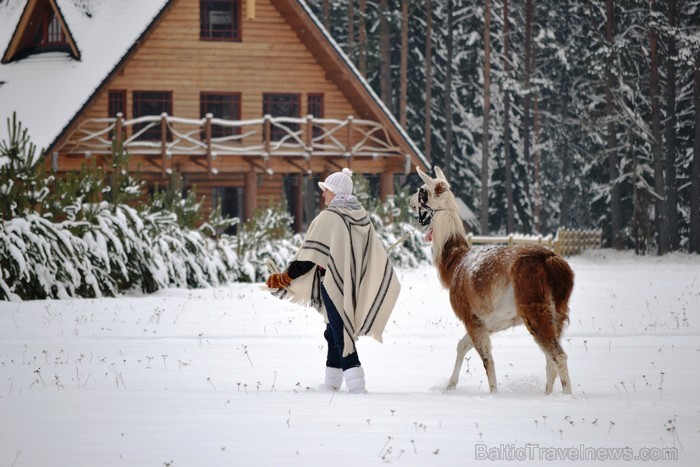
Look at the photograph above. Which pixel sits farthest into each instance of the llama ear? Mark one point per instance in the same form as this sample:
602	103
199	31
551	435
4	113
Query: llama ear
440	174
426	178
441	186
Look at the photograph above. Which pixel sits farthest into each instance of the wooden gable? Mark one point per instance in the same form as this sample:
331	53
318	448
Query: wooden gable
25	40
282	49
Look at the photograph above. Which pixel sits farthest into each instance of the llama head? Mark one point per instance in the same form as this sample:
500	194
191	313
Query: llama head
433	196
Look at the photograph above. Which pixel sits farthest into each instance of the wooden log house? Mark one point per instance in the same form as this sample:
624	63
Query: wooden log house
250	101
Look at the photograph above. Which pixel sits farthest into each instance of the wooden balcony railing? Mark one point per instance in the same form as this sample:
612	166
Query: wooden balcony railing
266	137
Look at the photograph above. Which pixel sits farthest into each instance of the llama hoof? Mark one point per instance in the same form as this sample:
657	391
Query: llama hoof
451	386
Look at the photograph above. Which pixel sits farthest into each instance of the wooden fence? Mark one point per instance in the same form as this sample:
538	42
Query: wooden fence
567	242
573	242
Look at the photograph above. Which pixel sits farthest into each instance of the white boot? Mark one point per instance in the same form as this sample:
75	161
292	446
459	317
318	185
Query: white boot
334	378
355	380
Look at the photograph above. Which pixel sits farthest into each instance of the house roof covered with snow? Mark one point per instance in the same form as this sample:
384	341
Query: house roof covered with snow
48	89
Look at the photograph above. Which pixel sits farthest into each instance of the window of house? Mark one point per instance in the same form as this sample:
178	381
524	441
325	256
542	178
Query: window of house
117	103
230	200
314	106
226	106
220	20
281	105
49	31
151	103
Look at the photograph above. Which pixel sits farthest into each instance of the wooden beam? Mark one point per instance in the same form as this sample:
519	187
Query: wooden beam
298	196
250	197
386	185
293	163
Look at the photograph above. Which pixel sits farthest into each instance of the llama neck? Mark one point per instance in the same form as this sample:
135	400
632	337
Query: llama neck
449	244
453	252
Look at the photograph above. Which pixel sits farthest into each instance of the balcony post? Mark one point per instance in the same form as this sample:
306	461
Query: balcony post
309	134
119	125
207	136
348	143
309	137
267	134
164	142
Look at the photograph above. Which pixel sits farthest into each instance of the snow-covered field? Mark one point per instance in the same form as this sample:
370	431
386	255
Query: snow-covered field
231	376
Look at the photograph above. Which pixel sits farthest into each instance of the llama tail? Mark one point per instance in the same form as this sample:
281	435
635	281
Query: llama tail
561	279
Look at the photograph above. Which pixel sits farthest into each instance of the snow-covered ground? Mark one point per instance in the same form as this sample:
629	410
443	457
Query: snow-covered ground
231	376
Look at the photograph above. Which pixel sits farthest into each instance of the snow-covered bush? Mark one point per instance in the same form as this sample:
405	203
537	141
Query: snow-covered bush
395	225
267	235
24	184
41	259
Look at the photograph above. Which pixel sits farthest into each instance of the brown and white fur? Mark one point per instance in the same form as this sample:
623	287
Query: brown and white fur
497	287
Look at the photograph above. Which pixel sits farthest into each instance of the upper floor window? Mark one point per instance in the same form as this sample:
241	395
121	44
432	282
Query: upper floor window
117	103
281	105
49	31
152	103
226	106
220	20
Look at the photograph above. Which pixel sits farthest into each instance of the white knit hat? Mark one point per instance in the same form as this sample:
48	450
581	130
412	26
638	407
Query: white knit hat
339	183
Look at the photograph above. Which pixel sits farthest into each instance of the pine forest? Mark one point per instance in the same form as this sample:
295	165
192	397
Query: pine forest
547	114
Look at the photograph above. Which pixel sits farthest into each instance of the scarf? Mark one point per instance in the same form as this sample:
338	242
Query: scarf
359	277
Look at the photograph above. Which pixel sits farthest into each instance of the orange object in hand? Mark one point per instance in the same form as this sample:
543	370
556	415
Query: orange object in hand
278	280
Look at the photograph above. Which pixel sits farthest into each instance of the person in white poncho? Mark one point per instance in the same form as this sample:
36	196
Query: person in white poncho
344	271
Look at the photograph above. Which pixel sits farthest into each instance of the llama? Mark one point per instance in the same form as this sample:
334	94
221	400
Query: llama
496	287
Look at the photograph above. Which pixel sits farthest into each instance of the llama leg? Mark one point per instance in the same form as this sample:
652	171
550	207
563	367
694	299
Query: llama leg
559	359
551	375
464	345
539	319
557	365
482	344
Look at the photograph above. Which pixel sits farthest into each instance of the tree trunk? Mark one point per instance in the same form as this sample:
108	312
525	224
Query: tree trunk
327	15
428	76
510	211
385	55
660	220
528	102
695	170
529	11
362	39
485	129
641	220
351	29
538	195
565	206
404	63
613	164
448	92
672	201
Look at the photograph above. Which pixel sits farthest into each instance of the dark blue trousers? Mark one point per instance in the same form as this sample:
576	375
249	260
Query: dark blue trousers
334	337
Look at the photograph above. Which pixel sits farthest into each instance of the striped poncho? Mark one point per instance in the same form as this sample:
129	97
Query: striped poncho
358	275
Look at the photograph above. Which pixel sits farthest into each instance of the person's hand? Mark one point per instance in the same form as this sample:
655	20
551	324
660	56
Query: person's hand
278	280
